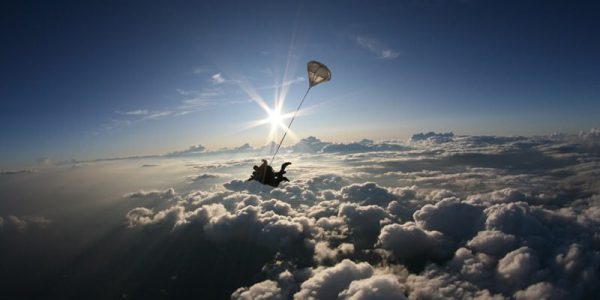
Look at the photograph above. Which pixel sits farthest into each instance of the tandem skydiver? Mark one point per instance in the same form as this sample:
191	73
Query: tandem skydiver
265	174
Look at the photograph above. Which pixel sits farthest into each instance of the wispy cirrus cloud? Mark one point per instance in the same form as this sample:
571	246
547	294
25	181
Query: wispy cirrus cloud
376	47
286	83
137	112
213	93
16	172
190	101
217	78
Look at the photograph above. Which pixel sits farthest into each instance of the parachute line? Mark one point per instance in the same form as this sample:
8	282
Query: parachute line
289	125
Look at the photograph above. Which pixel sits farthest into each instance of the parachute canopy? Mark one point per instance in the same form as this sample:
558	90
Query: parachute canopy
317	73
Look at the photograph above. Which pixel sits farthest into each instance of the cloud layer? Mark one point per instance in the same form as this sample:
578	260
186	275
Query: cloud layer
441	216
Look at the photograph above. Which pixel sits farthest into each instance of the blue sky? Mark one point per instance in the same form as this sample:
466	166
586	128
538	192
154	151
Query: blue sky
89	80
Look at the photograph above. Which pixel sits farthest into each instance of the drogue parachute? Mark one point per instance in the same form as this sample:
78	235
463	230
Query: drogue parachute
317	73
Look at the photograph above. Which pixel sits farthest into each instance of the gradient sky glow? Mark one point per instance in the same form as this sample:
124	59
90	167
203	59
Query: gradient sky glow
86	80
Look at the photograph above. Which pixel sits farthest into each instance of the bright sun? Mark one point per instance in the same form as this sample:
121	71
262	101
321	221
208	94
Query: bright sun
275	115
275	118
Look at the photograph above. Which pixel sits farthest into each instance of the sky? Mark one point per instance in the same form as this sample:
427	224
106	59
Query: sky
96	79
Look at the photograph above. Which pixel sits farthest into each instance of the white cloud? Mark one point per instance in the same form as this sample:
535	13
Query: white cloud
266	290
376	47
138	112
24	223
329	282
362	146
514	218
367	193
541	290
518	266
504	239
593	135
492	242
451	217
435	284
154	195
217	78
432	137
408	241
482	217
144	216
382	287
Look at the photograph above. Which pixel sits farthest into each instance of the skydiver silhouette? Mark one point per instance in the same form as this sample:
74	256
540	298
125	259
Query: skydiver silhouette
265	174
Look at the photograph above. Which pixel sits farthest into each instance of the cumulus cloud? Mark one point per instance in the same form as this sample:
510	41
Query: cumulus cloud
192	150
329	282
364	145
310	144
323	252
453	216
408	241
202	177
266	290
492	242
145	216
367	193
364	222
453	212
436	284
514	218
432	137
518	266
21	224
168	194
541	290
593	135
385	286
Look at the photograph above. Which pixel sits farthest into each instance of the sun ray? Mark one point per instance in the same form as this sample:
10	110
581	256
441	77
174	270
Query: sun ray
289	131
275	115
253	94
256	123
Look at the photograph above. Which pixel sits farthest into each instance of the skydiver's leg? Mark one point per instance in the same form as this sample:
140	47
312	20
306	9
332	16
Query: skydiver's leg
284	165
276	182
273	181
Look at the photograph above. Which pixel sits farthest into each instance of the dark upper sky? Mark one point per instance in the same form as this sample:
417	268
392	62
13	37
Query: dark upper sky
84	80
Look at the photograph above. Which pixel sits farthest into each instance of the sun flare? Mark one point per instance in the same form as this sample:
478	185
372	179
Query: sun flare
275	118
